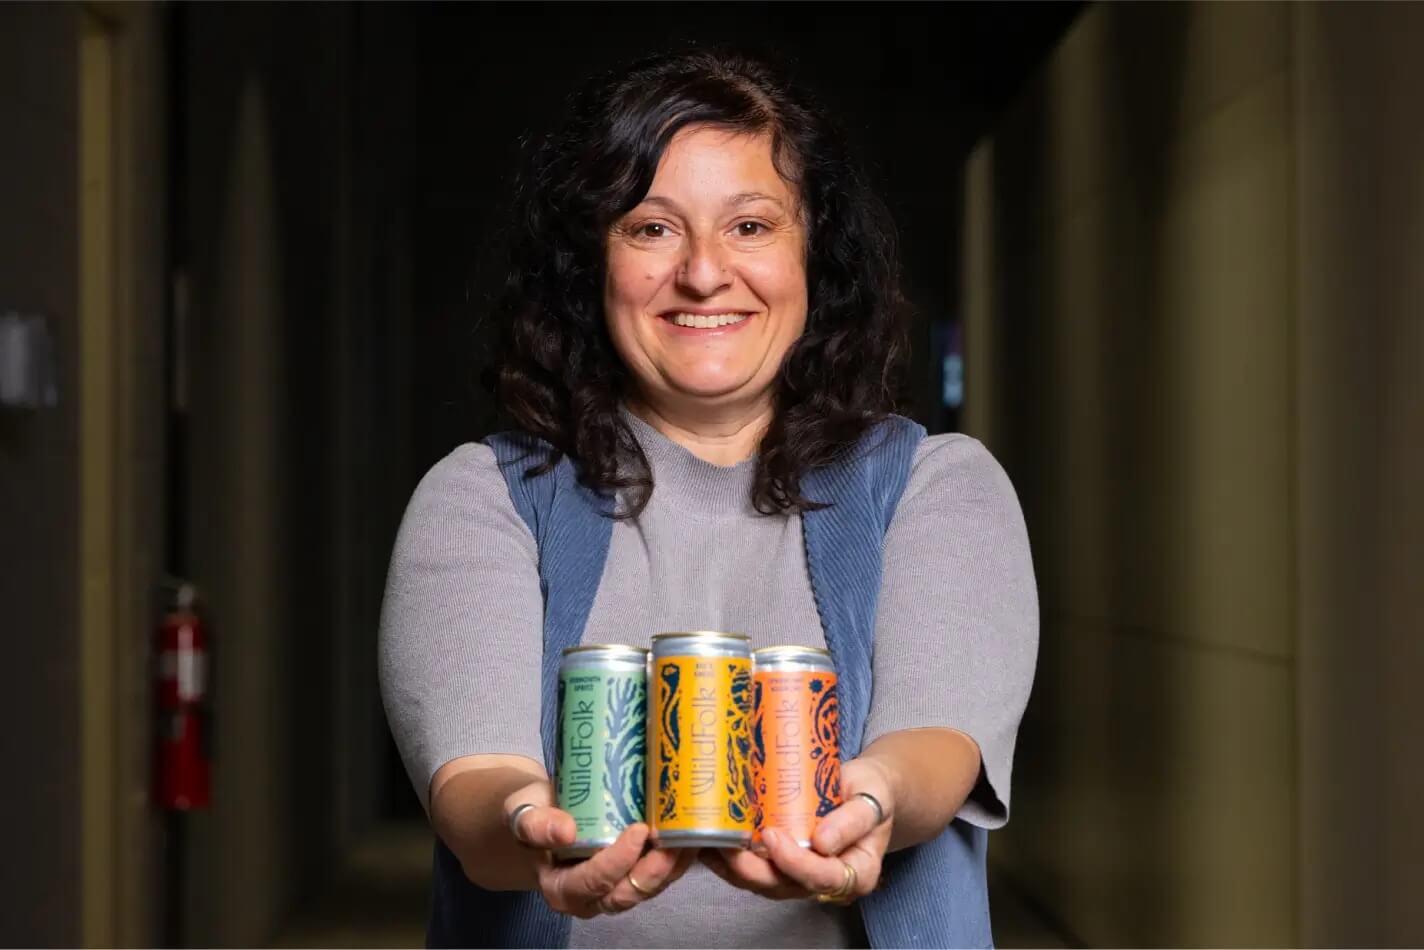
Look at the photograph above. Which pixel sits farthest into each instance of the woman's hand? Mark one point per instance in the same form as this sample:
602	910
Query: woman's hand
853	836
920	777
615	879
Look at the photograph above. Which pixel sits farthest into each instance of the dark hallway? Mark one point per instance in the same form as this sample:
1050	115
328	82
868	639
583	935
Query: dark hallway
1158	258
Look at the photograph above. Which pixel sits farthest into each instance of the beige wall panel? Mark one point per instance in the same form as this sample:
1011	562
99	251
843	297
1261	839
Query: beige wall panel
1073	524
1163	812
1063	843
1127	81
1361	341
1223	302
1162	395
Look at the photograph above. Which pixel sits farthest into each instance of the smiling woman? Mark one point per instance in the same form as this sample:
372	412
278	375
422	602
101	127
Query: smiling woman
684	189
706	285
701	335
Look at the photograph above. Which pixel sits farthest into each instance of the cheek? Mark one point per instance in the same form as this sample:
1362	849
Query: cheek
630	283
781	282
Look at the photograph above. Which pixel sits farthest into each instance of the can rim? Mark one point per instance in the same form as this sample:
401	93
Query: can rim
700	633
602	647
790	649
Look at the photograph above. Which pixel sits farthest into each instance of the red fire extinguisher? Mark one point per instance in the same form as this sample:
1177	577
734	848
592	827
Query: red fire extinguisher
183	779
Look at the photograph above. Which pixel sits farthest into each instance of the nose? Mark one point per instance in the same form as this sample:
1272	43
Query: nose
704	270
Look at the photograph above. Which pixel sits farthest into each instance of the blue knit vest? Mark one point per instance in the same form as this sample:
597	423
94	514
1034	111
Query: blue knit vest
932	895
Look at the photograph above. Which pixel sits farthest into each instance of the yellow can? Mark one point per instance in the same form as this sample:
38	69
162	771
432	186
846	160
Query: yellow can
699	740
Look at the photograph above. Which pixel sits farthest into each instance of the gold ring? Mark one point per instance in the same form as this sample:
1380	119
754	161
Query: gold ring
843	892
640	888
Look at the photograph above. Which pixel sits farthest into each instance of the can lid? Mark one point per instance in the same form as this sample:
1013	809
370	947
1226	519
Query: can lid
604	648
701	633
771	653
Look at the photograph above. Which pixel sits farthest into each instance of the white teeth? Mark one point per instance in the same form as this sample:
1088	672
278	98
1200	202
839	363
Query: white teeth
707	321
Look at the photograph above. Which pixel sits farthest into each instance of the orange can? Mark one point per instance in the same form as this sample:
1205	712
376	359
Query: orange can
795	756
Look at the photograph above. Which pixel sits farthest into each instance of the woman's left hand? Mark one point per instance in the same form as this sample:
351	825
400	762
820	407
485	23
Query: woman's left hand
852	836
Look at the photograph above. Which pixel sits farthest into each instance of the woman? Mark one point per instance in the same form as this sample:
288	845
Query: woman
701	335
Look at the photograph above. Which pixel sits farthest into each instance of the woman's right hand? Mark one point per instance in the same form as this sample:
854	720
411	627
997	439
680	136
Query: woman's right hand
605	882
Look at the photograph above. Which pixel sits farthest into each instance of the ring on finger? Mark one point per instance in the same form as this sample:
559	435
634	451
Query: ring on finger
514	817
646	892
873	802
842	893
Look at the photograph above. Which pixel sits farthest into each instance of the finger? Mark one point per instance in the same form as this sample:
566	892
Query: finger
752	872
546	827
852	820
814	872
717	863
752	868
661	866
866	858
684	861
653	872
596	877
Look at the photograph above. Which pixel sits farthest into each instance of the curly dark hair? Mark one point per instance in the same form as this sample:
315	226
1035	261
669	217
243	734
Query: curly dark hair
558	373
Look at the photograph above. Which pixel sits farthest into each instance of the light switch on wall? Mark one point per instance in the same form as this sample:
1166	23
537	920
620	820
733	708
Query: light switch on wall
28	374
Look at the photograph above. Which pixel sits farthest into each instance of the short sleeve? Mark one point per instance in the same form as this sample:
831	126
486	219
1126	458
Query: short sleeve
461	623
956	637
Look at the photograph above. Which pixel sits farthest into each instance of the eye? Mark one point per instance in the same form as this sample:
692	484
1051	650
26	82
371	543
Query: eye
750	228
651	230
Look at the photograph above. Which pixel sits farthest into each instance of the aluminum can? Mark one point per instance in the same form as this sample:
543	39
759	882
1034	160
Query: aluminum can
699	773
796	762
602	742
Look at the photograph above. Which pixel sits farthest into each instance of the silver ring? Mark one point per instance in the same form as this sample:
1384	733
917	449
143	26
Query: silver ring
514	817
874	803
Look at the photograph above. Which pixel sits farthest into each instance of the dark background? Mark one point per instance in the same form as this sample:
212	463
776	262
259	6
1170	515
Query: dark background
1178	243
913	84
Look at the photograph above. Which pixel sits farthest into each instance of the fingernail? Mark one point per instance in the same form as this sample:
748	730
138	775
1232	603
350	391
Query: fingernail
771	836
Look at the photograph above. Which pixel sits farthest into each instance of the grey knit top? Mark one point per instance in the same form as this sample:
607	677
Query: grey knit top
956	634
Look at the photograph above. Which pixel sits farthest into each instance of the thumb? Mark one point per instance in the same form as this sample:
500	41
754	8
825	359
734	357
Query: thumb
546	827
540	826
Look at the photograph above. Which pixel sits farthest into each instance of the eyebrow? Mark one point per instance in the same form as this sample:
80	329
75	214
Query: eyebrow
736	201
747	197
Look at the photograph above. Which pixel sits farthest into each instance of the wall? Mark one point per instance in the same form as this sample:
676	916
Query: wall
260	263
83	841
1130	275
39	258
295	210
1193	303
1360	340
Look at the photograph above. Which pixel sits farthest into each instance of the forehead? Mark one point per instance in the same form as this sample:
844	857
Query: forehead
708	163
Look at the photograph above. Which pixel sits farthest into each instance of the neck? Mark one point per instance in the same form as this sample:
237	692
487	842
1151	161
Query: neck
722	435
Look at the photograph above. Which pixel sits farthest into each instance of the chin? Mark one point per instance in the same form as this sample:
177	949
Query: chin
710	389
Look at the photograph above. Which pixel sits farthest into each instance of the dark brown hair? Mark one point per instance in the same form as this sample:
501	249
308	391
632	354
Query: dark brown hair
559	376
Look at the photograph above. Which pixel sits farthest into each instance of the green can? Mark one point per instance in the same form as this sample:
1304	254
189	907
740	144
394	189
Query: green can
600	775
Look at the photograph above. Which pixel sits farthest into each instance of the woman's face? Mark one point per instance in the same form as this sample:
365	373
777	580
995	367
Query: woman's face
706	280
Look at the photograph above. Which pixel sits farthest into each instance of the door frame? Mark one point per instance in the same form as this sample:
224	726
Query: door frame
121	401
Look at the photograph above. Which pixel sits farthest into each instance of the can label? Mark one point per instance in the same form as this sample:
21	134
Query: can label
796	763
602	748
702	738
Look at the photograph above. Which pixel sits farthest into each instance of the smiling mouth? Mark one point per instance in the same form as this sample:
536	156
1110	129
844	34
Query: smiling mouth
705	321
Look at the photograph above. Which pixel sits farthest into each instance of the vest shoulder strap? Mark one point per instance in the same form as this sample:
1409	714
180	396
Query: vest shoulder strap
843	552
572	530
